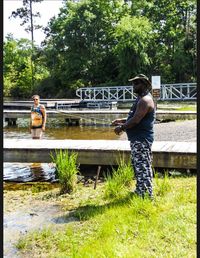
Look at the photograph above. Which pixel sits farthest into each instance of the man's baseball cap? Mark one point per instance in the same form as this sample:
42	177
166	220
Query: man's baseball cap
143	78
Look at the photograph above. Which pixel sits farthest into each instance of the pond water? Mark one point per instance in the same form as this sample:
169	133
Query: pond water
56	129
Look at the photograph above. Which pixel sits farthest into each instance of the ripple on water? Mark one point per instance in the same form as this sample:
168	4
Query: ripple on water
28	172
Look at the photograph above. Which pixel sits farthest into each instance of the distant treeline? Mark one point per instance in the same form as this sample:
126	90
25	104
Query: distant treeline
104	43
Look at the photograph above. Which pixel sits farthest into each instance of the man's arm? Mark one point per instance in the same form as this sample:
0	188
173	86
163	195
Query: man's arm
143	107
141	110
118	121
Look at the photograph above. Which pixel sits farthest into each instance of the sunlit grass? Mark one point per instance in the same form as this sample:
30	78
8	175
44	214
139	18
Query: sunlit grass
66	169
118	181
123	227
187	108
177	106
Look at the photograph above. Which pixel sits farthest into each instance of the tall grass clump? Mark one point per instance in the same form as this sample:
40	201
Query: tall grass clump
66	169
118	181
162	186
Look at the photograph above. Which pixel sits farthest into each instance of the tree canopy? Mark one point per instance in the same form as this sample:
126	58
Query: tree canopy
105	42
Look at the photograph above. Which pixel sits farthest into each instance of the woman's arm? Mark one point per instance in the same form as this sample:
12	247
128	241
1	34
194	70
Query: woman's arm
43	110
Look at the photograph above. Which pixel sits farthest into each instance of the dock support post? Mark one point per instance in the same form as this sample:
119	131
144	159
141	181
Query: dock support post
71	121
11	121
97	177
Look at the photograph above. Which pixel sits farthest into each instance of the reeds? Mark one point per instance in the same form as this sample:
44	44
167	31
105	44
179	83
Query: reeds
66	169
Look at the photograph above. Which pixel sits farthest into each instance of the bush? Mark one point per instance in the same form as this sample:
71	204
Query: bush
66	169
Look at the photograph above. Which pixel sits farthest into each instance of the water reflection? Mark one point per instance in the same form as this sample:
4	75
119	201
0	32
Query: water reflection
28	172
58	129
66	132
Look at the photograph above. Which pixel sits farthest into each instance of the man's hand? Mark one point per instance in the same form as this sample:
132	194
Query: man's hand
118	130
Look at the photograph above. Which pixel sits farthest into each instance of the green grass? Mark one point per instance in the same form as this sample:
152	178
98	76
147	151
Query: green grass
66	169
177	105
125	227
117	182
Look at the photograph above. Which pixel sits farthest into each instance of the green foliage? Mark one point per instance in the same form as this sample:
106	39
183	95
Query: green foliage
82	42
66	169
17	68
118	182
174	23
134	36
100	42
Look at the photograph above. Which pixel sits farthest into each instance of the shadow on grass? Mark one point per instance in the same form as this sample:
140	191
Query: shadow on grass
88	211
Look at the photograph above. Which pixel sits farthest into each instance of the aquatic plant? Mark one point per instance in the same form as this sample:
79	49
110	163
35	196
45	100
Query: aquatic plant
66	169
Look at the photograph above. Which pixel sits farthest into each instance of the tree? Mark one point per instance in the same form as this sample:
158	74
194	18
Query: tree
81	40
174	48
26	14
134	36
17	67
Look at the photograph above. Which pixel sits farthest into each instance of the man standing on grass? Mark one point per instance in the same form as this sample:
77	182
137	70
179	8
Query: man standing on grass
139	129
38	118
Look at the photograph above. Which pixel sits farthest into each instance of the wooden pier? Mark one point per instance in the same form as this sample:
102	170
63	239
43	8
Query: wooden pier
11	116
100	152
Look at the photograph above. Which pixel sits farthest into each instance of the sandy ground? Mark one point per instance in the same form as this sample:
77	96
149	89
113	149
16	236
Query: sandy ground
180	131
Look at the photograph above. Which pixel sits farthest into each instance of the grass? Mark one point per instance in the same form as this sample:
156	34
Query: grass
177	105
66	169
117	183
186	108
97	227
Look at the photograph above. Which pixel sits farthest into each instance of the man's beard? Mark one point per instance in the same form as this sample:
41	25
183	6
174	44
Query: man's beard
140	91
137	91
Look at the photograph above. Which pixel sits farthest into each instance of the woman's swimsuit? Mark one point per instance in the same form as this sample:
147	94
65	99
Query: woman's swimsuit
36	117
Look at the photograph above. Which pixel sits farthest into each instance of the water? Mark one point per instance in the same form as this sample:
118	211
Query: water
56	129
28	172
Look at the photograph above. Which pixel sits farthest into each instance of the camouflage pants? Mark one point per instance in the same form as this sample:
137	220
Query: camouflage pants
141	158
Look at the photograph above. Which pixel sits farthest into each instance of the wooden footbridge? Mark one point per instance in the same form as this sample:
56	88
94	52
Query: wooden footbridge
100	152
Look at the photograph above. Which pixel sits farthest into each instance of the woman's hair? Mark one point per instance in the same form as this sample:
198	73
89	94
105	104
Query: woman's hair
37	96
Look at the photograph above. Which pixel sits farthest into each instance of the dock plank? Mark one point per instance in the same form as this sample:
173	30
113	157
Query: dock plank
100	152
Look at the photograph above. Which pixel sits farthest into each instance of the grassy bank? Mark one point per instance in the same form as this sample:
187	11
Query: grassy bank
177	105
129	226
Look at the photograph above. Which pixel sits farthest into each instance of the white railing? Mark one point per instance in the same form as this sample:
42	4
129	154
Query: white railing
116	93
178	91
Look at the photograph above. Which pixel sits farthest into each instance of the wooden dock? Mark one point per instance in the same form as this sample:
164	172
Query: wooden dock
100	152
161	115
